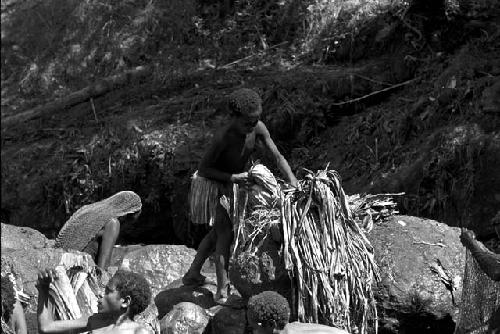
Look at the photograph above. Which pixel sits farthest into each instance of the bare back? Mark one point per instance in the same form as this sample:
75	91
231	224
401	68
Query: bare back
127	327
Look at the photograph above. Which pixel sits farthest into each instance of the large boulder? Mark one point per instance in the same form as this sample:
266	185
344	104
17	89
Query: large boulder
421	266
160	264
18	237
184	318
176	292
149	318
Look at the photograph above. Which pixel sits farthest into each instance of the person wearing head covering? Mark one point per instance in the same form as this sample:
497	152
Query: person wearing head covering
224	165
480	310
94	228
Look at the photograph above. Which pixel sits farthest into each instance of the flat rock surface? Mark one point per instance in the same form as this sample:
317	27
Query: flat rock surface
184	318
413	254
160	264
176	292
19	237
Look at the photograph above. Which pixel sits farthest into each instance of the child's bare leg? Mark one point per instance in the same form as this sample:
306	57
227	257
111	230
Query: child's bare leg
206	247
224	231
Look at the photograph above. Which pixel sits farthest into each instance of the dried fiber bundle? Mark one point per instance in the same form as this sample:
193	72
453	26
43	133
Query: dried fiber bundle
368	209
203	199
75	291
328	255
264	189
87	221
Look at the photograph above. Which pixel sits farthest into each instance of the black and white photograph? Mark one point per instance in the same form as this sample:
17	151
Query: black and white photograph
250	167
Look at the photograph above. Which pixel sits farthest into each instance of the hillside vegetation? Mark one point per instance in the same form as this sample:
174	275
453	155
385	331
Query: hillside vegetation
396	96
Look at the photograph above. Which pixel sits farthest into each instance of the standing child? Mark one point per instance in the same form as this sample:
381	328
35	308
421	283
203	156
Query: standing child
224	164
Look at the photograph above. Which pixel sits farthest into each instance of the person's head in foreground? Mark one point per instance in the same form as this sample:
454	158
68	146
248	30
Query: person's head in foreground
269	313
245	106
126	292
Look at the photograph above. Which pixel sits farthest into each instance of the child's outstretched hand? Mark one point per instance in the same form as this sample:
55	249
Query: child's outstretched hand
241	178
45	277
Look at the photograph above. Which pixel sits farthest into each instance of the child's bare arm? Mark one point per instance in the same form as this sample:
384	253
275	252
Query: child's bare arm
281	162
19	319
46	324
488	261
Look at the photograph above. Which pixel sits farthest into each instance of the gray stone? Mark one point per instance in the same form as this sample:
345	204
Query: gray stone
149	318
409	251
185	318
176	293
160	264
19	237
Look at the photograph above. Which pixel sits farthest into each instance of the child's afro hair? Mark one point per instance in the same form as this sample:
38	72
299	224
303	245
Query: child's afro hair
131	284
8	298
269	306
244	101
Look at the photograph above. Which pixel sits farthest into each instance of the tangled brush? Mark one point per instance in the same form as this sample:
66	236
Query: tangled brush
326	253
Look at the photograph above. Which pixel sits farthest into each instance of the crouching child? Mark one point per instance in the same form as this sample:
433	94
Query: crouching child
126	295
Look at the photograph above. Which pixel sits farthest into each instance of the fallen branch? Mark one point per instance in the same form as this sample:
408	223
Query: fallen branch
99	88
251	56
358	99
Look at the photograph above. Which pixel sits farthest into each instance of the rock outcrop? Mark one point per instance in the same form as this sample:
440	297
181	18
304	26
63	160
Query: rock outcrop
15	237
160	264
421	265
176	292
185	317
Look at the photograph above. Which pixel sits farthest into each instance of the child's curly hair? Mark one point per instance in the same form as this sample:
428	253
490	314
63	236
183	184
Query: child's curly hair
269	306
244	101
131	284
8	298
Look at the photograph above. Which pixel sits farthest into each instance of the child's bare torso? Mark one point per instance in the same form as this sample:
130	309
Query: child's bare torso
235	151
